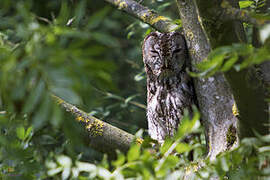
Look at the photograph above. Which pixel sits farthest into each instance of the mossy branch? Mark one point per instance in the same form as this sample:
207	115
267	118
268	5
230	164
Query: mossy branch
160	23
103	137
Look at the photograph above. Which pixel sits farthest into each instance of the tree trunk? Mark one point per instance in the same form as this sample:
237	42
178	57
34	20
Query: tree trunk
248	91
214	95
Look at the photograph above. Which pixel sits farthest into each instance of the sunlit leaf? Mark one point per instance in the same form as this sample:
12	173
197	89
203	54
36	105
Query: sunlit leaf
139	76
104	173
229	62
120	159
28	131
186	126
183	147
166	145
133	153
20	131
245	4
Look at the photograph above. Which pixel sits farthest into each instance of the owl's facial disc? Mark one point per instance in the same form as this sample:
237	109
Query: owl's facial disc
164	54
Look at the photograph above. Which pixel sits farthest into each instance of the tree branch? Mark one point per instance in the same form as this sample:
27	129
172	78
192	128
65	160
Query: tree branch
214	96
144	14
103	137
231	13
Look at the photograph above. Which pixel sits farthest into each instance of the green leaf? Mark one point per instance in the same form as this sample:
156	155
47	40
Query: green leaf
66	93
245	4
34	97
42	114
56	116
264	149
166	145
139	76
105	39
64	161
224	164
127	100
186	126
20	132
163	6
97	18
103	173
133	153
230	62
120	159
28	132
214	61
130	34
169	163
47	140
183	147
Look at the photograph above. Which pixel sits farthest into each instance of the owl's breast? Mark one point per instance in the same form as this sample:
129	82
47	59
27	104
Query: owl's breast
165	110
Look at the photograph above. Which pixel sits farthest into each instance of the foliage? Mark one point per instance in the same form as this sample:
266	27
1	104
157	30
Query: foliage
172	160
89	54
140	162
242	55
70	49
237	56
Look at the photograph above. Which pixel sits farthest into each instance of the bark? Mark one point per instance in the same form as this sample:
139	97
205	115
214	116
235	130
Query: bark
248	92
103	137
161	23
214	96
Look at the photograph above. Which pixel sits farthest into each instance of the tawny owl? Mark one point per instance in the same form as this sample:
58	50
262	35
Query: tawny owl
169	88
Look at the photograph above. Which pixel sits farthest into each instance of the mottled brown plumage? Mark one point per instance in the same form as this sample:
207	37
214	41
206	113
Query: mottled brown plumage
169	88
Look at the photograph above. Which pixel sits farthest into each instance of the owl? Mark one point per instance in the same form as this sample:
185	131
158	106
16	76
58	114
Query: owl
169	88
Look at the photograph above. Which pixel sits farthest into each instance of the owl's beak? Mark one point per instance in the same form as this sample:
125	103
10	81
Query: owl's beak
165	74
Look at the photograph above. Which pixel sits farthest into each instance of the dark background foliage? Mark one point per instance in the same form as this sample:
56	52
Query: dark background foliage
85	52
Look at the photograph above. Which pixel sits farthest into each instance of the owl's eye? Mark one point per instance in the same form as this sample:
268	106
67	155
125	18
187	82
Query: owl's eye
154	54
177	50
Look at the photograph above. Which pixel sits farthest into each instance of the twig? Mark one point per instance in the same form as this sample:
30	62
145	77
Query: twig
121	99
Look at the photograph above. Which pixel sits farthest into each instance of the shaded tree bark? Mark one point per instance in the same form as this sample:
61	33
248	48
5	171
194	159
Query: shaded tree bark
248	92
214	96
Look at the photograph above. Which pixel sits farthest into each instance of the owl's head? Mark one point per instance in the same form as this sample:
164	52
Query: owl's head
164	53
